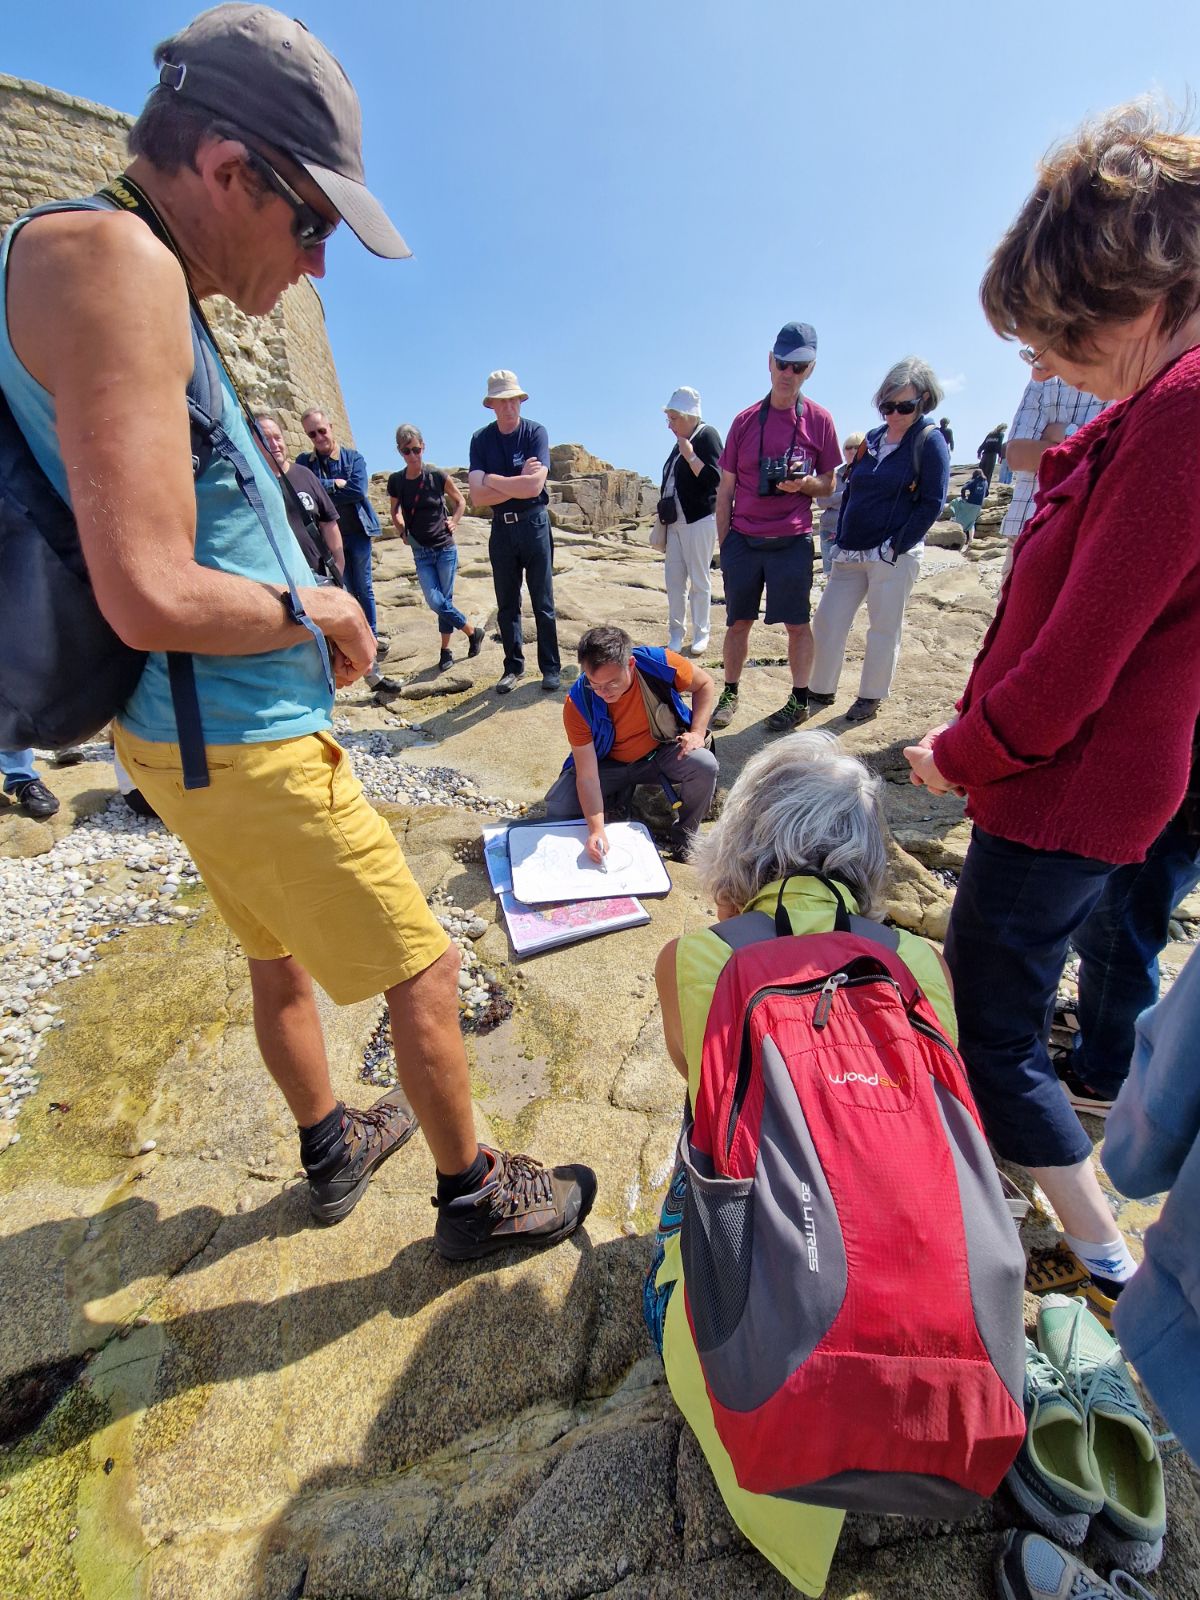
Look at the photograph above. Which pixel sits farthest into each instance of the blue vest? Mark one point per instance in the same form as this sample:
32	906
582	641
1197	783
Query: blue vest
652	663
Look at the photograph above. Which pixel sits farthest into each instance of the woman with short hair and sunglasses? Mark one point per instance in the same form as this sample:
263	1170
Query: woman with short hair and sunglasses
895	490
418	498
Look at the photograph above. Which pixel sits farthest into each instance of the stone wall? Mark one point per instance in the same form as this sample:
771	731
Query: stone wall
54	146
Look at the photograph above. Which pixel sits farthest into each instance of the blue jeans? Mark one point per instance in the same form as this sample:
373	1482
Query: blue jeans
357	546
16	766
435	574
1119	945
1015	910
525	549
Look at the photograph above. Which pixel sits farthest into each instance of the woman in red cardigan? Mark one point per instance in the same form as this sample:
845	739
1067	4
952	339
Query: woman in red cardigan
1073	735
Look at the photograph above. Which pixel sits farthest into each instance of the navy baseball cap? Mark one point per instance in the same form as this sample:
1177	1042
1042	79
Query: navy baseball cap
797	341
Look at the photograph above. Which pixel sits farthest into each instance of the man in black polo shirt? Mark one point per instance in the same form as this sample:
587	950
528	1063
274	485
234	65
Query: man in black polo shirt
510	460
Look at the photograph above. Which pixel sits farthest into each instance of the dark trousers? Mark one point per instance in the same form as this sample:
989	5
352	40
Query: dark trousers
1119	946
357	546
1015	910
694	777
524	549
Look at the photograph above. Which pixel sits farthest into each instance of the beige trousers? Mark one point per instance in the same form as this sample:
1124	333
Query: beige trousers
885	587
689	552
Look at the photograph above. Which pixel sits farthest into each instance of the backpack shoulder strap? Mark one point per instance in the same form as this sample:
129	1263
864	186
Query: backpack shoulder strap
754	927
920	435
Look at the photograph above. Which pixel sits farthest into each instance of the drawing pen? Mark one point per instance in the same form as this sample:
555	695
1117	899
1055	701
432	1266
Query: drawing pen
603	858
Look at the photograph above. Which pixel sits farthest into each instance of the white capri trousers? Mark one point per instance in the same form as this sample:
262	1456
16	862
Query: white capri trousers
886	588
689	553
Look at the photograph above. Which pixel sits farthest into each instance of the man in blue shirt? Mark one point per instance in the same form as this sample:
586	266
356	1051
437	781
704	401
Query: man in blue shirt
343	472
509	464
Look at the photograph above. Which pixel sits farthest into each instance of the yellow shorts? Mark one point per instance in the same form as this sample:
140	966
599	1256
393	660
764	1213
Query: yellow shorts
298	862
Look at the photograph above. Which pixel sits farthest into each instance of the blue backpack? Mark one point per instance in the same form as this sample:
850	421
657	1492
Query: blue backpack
64	672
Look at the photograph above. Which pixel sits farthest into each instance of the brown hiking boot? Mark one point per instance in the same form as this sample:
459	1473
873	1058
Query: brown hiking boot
520	1203
726	710
368	1139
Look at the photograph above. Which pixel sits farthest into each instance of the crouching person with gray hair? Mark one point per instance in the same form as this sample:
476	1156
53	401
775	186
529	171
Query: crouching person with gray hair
894	492
628	724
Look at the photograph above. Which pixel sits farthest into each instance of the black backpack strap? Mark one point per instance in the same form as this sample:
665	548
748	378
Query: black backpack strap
753	927
920	436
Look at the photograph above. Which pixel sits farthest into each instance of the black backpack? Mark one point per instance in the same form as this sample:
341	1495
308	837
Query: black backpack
64	672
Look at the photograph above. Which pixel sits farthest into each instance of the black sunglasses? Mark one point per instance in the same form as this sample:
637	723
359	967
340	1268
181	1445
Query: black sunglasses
792	366
309	227
904	407
411	449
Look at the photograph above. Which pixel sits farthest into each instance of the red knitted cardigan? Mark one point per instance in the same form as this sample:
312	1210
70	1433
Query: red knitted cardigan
1075	728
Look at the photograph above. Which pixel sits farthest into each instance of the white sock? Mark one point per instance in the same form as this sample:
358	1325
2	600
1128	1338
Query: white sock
1108	1260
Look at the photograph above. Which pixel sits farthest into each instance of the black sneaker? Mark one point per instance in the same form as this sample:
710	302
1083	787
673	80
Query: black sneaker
521	1203
1084	1100
368	1139
445	660
508	682
34	799
475	644
790	715
382	645
862	710
139	805
815	699
551	681
385	689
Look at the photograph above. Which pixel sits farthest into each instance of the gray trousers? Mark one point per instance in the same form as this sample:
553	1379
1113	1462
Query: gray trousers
693	777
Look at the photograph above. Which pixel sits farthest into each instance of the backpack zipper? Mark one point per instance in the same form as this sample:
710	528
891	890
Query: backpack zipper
827	989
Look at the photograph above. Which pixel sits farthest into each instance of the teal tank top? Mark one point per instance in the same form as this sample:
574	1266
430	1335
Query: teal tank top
243	699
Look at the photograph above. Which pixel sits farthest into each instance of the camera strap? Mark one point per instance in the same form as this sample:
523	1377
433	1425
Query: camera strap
764	411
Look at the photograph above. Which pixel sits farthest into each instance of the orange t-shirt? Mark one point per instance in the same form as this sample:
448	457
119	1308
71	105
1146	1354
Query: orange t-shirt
631	727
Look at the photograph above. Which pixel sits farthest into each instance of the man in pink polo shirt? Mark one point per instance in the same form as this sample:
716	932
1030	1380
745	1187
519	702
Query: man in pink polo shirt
779	455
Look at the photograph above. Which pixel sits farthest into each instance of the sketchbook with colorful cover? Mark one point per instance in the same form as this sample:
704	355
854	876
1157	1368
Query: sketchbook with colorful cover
536	928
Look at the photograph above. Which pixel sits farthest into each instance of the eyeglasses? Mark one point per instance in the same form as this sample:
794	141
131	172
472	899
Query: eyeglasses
613	686
309	227
411	449
792	366
904	407
1030	356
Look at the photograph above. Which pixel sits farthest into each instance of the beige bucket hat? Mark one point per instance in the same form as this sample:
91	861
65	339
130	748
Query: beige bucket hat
503	385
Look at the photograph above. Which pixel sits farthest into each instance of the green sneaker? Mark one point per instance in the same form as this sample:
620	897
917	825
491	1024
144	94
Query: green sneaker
1053	1479
790	715
725	712
1120	1439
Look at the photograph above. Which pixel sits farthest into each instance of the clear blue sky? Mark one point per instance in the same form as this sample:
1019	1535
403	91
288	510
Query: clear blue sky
613	197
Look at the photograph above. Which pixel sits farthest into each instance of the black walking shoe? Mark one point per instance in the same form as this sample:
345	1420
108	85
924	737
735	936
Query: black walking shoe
382	645
368	1139
815	699
551	681
475	644
790	715
521	1203
445	660
34	799
508	682
862	710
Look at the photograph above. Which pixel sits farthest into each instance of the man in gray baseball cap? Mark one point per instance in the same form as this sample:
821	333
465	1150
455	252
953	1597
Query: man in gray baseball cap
245	159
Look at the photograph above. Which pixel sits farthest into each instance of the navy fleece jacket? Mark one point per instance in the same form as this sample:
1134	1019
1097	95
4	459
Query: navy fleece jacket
877	507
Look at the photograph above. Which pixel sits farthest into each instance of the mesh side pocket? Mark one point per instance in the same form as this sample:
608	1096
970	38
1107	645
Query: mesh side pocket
716	1241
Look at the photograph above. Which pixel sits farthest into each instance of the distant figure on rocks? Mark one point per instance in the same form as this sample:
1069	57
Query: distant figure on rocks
947	433
313	518
1049	412
990	451
687	509
23	786
343	471
1073	739
968	503
627	724
895	491
509	465
418	498
228	730
780	455
830	505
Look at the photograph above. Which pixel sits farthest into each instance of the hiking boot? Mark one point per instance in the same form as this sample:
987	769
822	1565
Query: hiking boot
1120	1439
1082	1099
862	710
368	1139
1054	1479
815	699
1029	1567
726	710
790	715
520	1203
445	660
508	683
474	644
1054	1269
34	799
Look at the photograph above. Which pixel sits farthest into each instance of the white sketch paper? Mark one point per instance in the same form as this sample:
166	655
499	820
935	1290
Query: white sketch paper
550	863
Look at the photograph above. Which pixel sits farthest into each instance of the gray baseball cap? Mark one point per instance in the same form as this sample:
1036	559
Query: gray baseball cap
267	75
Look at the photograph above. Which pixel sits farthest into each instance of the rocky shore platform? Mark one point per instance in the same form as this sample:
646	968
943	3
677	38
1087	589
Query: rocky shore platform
203	1397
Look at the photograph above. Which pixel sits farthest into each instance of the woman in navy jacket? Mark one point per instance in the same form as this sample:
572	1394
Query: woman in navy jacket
897	487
